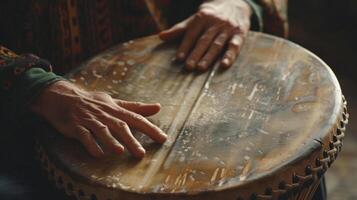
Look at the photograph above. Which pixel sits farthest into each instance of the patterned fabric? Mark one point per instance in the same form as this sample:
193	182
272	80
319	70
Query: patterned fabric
80	29
66	32
12	66
69	31
21	78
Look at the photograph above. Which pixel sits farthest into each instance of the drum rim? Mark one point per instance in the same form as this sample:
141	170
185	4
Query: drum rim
49	164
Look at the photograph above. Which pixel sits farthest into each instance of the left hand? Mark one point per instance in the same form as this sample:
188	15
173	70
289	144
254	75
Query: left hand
218	26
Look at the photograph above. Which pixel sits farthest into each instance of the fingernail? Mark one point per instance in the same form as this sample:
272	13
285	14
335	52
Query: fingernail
142	150
181	56
164	136
202	65
191	64
119	150
140	153
225	62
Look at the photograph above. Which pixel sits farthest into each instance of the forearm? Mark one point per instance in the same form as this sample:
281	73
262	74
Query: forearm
22	77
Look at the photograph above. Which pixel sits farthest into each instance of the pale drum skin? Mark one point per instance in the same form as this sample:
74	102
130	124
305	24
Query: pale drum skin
269	126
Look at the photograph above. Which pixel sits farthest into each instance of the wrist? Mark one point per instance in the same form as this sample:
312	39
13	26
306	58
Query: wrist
228	6
244	6
48	94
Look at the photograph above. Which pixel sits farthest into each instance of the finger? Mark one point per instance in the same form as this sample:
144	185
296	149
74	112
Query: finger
176	31
193	31
202	46
86	138
140	108
141	124
214	50
232	51
103	134
121	131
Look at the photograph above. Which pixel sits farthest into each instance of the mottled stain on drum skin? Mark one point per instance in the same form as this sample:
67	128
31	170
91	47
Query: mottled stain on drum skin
225	127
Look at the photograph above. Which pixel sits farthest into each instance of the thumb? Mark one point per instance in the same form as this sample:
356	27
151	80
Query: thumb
176	31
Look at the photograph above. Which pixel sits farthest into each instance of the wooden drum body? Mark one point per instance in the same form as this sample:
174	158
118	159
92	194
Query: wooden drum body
267	128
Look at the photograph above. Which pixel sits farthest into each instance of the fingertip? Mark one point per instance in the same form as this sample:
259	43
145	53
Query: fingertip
119	149
163	137
140	152
180	56
225	63
190	65
150	109
157	106
163	35
202	66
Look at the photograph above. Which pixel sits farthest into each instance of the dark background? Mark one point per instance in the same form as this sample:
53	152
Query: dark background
329	29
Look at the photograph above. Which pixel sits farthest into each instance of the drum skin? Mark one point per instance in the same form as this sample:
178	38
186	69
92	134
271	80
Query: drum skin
267	128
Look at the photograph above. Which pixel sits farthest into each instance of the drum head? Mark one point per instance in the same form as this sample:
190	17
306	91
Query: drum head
226	128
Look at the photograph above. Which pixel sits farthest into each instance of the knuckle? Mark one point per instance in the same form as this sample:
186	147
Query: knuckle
230	24
136	104
202	14
230	54
100	93
218	44
203	39
237	29
213	29
235	45
100	126
122	124
139	118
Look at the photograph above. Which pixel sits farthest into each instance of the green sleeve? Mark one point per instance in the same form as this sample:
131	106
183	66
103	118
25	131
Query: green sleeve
22	77
25	89
257	15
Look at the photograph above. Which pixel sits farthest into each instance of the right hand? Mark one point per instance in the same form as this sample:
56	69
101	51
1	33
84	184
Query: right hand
96	119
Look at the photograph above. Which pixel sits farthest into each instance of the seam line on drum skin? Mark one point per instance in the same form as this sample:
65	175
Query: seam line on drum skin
160	157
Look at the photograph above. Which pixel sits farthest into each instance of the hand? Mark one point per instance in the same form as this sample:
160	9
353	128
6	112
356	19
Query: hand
217	24
95	118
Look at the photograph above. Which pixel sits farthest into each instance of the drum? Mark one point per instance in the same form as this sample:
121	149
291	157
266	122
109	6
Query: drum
267	128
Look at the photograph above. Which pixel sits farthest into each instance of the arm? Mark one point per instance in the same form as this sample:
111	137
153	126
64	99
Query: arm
21	79
27	84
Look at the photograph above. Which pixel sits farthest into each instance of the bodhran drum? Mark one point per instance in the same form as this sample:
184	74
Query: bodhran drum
267	128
